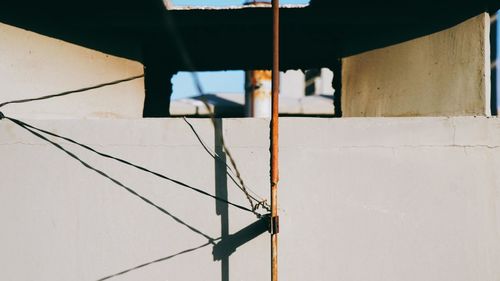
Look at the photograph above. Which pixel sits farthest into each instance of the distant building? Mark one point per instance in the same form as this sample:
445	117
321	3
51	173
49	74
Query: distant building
300	95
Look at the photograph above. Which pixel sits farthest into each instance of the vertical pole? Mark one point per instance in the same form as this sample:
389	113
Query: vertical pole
274	144
494	63
258	93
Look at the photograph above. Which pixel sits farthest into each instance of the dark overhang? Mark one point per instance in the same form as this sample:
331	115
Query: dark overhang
218	39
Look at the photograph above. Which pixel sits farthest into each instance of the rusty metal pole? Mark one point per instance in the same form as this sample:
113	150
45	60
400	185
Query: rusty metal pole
274	142
258	82
258	95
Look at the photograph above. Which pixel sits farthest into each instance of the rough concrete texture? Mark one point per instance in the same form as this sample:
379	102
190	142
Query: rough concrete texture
360	199
32	65
442	74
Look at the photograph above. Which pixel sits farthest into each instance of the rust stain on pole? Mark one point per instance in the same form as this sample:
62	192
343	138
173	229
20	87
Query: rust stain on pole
258	91
274	143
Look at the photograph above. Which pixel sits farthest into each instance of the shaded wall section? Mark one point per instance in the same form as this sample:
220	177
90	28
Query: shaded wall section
445	73
360	199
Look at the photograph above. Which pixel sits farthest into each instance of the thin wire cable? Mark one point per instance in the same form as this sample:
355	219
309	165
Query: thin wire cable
31	129
254	207
219	158
133	192
74	91
170	24
254	203
155	261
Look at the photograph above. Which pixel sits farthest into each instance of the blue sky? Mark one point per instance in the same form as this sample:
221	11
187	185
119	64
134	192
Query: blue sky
212	82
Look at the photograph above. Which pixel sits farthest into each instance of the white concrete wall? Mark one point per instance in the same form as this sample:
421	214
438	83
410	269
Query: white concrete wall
442	74
32	65
361	199
292	83
324	82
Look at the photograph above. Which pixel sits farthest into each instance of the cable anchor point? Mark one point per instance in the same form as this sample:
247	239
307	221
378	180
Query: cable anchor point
274	224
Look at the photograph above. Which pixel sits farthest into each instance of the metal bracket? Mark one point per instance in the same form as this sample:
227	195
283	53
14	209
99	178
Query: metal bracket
274	225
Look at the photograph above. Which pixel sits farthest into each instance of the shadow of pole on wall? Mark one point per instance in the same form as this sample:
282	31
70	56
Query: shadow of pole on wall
221	208
229	242
228	245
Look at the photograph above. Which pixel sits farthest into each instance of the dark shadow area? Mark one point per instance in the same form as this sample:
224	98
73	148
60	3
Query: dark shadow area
168	41
211	153
111	26
330	97
311	37
158	84
337	86
223	107
494	64
221	191
228	245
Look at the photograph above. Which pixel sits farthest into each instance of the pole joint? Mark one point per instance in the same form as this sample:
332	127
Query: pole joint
274	225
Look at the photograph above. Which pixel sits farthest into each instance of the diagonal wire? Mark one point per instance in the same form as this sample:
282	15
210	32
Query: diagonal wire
254	203
74	91
253	206
219	158
32	129
210	239
216	156
155	261
170	25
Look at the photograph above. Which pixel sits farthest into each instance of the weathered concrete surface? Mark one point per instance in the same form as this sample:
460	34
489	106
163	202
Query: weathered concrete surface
443	74
360	199
32	65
